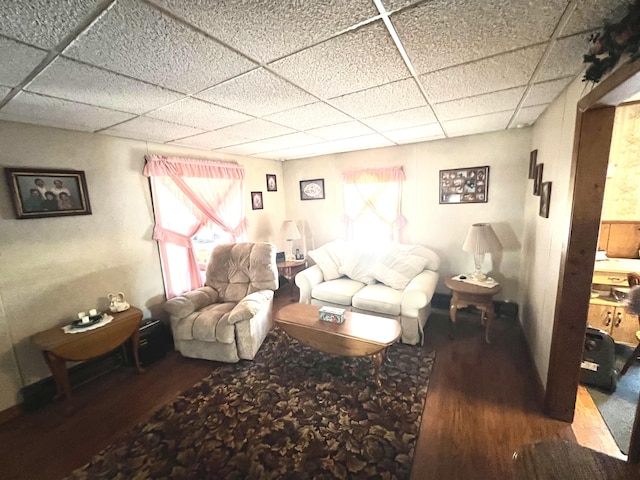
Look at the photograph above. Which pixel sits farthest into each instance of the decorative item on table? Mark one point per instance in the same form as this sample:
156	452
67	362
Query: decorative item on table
86	320
481	239
331	314
290	232
299	256
117	302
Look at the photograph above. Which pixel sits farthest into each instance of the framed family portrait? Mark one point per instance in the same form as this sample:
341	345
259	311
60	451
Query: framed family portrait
40	192
312	189
256	201
464	185
545	198
533	160
537	178
272	183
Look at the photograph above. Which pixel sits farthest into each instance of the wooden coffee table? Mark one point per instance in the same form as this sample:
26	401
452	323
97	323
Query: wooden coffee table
359	336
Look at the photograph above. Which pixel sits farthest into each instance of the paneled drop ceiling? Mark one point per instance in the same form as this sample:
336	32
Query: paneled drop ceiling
286	79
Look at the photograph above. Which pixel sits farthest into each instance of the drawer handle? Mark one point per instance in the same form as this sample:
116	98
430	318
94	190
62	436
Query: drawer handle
619	319
608	322
615	279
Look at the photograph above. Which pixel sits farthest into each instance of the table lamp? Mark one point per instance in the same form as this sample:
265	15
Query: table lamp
480	240
290	232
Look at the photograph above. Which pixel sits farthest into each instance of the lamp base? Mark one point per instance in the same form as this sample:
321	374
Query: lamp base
289	257
478	276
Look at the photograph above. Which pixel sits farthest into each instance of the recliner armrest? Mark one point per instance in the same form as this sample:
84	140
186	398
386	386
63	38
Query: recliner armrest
418	293
249	306
306	280
183	305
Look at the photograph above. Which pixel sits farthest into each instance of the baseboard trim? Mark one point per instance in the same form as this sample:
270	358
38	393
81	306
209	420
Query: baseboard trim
10	413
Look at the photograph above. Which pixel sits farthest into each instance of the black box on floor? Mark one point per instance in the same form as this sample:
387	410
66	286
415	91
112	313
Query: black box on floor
155	342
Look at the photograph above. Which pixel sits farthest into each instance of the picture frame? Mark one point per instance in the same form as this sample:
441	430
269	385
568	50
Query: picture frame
545	198
47	192
256	201
537	180
272	183
464	185
533	161
312	189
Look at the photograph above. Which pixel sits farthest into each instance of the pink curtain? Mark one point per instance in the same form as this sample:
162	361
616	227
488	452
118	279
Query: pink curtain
188	194
373	203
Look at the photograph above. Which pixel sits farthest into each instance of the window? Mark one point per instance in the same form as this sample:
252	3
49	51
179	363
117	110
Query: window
204	242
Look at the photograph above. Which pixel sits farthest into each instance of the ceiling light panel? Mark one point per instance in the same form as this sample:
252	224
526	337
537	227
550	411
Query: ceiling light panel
43	23
135	39
404	119
546	92
309	116
199	114
563	60
17	61
269	29
480	104
356	60
256	129
247	93
501	72
67	79
53	112
144	128
391	97
340	131
483	123
488	28
589	15
421	133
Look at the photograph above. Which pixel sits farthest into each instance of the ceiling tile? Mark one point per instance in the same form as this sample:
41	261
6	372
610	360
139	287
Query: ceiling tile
250	148
341	130
43	23
53	112
210	140
270	29
528	115
256	129
78	82
406	118
4	91
197	113
501	72
293	153
546	92
421	133
17	61
345	64
480	124
480	104
565	58
387	98
144	128
392	5
463	31
247	93
309	116
357	143
590	15
135	39
297	139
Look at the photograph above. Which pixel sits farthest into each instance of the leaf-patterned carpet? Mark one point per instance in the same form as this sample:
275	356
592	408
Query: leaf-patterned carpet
284	415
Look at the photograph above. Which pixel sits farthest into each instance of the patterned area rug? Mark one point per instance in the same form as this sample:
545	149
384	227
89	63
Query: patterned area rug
285	415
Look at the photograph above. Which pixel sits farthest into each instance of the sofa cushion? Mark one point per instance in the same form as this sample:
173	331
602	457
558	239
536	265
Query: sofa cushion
208	325
337	291
397	267
378	298
358	262
329	257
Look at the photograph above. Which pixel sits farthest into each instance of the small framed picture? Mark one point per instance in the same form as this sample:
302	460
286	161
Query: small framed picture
464	185
256	201
42	192
537	179
312	189
533	160
272	183
545	198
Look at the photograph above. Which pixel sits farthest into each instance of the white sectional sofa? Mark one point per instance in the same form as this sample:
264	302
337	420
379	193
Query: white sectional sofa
394	280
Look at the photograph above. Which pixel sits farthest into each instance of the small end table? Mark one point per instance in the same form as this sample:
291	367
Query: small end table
289	270
465	294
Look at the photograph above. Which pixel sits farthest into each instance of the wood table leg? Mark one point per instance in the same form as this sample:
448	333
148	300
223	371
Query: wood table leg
453	309
376	359
58	368
490	314
135	339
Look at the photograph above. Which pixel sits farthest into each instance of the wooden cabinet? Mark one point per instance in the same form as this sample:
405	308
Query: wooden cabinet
613	319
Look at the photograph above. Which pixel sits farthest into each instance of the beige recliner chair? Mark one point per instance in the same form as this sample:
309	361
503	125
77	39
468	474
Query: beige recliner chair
229	318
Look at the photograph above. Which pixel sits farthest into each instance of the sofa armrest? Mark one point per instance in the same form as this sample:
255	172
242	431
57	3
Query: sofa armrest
249	306
306	280
418	293
183	305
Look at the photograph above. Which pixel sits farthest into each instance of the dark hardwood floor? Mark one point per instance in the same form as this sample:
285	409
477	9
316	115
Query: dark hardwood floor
481	406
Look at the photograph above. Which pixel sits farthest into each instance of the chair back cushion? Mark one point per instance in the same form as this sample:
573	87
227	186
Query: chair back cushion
238	269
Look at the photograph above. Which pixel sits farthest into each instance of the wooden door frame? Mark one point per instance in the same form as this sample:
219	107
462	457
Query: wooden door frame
593	131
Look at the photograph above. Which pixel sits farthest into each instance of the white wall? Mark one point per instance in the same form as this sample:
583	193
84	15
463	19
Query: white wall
52	268
441	227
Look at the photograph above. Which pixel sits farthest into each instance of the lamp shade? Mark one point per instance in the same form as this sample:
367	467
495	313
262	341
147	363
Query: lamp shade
290	230
481	239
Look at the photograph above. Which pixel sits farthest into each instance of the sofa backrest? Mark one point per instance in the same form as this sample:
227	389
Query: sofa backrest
238	269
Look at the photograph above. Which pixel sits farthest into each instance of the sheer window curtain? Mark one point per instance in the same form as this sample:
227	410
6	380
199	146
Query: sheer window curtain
188	194
373	204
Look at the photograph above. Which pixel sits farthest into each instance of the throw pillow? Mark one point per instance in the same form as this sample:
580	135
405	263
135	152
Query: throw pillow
329	258
397	268
358	264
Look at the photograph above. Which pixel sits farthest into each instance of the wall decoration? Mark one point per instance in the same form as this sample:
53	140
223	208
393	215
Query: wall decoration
42	192
545	198
464	185
256	201
537	179
312	189
533	160
272	183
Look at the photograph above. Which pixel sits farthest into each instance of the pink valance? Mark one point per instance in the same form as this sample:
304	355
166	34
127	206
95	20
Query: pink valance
374	175
159	166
